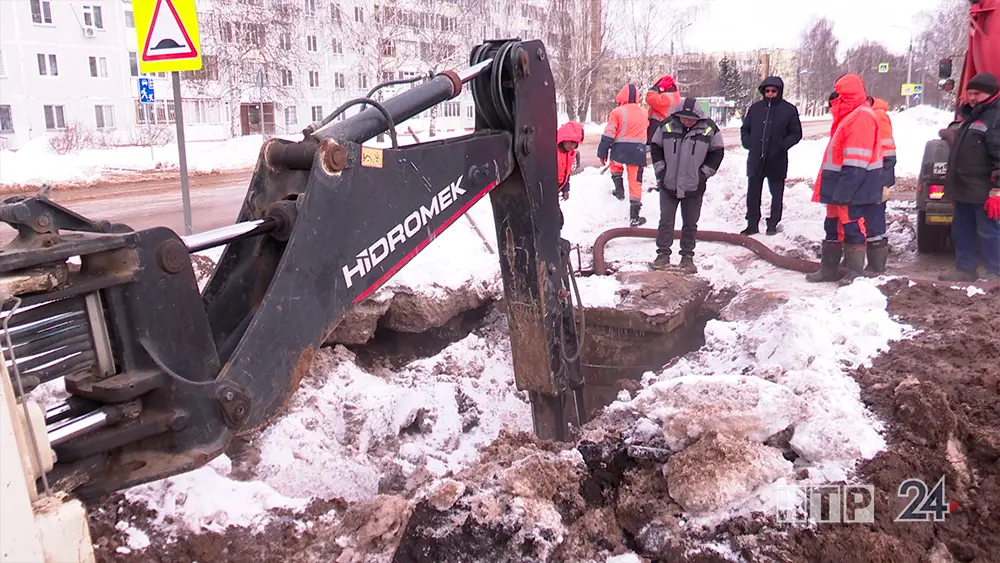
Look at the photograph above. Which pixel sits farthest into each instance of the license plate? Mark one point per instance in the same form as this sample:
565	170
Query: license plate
939	219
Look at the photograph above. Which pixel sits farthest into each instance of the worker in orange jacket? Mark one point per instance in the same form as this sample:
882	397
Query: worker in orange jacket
624	140
662	99
850	180
568	139
875	222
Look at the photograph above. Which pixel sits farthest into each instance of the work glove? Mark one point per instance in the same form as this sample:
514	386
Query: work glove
565	193
993	202
886	194
604	162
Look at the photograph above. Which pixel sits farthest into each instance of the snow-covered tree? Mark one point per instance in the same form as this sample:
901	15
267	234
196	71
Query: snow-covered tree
819	65
252	49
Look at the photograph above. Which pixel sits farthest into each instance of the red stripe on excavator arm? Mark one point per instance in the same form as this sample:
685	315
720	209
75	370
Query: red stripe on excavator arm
423	244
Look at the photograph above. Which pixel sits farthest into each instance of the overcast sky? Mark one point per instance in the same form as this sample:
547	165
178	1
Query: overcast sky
731	25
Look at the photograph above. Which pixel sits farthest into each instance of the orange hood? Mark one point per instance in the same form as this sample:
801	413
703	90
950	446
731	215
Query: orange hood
629	94
571	131
851	95
879	104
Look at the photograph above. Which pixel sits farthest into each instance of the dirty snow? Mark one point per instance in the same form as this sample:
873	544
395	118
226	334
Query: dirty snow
348	429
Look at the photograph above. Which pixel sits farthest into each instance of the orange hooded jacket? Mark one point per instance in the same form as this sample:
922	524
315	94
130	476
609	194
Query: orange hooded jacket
888	142
626	133
662	98
851	173
571	132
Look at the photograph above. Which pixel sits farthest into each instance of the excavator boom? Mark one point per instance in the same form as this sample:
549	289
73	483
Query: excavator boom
162	376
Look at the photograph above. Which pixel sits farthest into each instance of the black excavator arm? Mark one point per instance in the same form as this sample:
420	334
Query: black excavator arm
162	376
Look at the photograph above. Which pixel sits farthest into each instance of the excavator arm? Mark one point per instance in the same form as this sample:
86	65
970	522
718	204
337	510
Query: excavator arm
162	376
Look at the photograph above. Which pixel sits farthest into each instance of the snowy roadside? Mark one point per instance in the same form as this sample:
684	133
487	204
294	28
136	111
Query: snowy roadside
768	401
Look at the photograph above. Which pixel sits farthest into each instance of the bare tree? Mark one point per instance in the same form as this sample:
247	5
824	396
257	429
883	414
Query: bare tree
945	35
864	60
818	60
580	52
251	47
647	39
372	35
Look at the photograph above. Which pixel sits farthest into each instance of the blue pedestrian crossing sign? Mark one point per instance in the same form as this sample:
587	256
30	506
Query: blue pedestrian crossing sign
918	89
883	68
146	94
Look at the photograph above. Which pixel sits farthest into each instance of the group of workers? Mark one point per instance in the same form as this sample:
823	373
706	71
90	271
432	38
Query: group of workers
854	180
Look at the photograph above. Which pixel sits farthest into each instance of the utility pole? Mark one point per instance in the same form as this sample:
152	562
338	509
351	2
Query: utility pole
909	69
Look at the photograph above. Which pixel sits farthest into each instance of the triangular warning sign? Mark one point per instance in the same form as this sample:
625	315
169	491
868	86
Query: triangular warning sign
167	39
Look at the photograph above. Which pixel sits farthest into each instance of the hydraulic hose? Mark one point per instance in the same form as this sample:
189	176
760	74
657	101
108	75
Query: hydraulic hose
754	245
757	247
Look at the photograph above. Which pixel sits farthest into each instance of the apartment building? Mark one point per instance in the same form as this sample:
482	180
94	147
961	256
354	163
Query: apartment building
269	66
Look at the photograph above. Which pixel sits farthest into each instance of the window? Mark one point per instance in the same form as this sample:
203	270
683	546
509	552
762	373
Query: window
388	75
105	117
310	7
54	117
470	112
225	32
99	67
359	14
311	43
337	48
202	111
47	65
335	13
453	109
388	48
362	81
313	79
317	113
339	81
160	112
6	120
290	116
133	66
92	16
286	77
209	69
285	41
129	19
41	11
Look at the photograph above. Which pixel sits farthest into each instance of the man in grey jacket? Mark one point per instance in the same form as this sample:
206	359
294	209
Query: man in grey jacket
687	150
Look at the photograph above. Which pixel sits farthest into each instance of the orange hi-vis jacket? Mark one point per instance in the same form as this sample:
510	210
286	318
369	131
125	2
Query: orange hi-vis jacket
888	142
625	135
851	173
661	105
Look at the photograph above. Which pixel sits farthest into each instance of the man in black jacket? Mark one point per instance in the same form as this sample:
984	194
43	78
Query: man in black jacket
770	127
972	181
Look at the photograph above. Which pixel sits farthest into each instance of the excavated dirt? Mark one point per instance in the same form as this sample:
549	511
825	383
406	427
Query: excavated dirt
602	496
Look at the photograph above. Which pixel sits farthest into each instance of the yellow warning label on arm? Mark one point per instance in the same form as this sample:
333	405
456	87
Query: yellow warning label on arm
372	158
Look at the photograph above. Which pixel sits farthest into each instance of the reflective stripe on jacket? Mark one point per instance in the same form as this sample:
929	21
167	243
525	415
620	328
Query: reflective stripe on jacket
625	136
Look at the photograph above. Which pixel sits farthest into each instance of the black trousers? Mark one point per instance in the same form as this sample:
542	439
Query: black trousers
690	213
755	188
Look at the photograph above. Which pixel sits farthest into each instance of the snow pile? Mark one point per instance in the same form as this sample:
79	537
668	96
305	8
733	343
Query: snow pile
347	427
35	162
762	373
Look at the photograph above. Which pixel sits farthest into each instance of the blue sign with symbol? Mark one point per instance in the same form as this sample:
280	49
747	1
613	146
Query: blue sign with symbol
916	97
146	94
918	89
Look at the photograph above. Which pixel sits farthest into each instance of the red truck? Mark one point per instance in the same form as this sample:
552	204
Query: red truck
934	210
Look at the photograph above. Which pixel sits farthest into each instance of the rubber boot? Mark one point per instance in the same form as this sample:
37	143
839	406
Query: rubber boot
634	219
829	269
619	190
855	255
878	255
752	229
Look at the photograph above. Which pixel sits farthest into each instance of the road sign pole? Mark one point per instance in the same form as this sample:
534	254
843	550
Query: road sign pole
182	154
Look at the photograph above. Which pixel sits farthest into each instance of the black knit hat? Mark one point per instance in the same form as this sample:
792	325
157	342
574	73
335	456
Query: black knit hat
984	82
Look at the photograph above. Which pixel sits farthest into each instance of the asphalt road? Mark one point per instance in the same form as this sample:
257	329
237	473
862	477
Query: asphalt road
216	199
